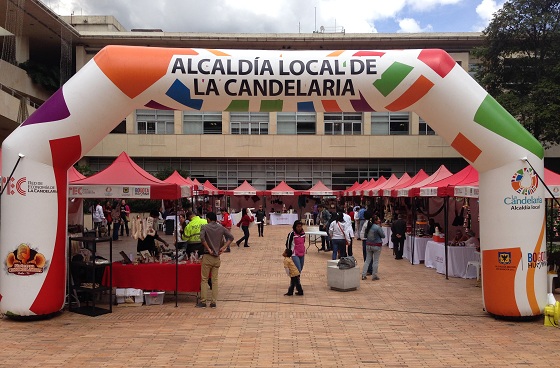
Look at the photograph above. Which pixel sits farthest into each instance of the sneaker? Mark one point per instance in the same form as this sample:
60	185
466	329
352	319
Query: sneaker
200	305
368	273
364	278
374	278
246	246
288	294
212	305
228	250
298	293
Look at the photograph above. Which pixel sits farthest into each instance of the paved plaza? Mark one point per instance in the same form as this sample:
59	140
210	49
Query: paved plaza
411	317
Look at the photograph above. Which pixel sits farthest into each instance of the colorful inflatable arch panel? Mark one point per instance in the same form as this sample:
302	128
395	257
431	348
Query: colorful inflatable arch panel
120	79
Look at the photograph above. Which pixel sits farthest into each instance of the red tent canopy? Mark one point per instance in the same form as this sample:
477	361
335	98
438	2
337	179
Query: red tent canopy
211	189
358	190
386	191
388	184
186	186
440	188
282	189
420	175
73	174
320	189
123	179
346	191
552	180
361	190
368	189
414	190
245	189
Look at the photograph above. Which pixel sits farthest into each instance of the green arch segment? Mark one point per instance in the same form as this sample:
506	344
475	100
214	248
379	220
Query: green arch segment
392	77
494	117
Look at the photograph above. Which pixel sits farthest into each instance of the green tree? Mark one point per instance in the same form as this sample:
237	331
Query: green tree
520	64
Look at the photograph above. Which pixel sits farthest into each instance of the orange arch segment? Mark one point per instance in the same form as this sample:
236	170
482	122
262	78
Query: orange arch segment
531	276
121	64
418	89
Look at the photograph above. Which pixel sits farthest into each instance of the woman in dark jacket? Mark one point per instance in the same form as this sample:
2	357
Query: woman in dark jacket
246	219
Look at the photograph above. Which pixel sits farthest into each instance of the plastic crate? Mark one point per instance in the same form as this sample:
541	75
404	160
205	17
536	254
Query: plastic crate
154	297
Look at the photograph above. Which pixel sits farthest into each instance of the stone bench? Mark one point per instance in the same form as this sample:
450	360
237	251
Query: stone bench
343	280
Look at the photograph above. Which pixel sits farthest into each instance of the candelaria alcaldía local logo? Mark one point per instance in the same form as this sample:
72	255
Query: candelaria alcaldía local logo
525	182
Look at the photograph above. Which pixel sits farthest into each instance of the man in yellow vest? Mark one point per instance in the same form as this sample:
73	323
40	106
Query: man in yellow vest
192	233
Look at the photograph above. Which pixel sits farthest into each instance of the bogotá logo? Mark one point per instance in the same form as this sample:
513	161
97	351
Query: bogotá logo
525	181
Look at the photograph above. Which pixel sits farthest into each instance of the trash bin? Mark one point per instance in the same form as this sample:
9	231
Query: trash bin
169	226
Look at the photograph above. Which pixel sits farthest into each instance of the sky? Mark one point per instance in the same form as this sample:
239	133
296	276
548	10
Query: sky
290	16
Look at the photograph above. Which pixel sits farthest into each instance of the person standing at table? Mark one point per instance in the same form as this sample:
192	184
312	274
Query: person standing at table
192	233
149	242
116	215
180	232
107	212
125	217
339	234
373	235
246	219
348	223
398	236
98	217
295	242
260	215
216	239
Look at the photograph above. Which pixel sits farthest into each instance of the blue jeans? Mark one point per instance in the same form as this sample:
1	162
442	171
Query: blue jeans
116	227
372	251
365	256
245	235
298	261
336	245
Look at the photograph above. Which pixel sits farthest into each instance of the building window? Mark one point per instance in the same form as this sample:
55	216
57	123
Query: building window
390	123
296	122
424	128
154	122
343	123
253	123
196	122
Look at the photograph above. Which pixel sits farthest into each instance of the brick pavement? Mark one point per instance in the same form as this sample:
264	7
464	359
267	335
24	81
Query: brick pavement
412	317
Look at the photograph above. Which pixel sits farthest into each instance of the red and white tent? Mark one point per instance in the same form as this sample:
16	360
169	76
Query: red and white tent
245	189
282	189
321	189
393	179
403	180
368	190
445	187
186	186
420	176
123	179
351	188
211	189
74	174
358	190
414	189
552	180
370	185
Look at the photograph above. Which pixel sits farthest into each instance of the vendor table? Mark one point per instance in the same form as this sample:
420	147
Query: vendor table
457	258
316	237
419	248
387	239
283	218
155	276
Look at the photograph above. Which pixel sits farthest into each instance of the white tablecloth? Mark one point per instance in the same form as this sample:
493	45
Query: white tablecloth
457	259
387	239
283	218
419	249
314	237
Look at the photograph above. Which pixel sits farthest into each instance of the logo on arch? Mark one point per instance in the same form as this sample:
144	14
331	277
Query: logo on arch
525	181
14	186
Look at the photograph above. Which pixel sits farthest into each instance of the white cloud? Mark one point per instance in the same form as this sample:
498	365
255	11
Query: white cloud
485	11
409	25
423	5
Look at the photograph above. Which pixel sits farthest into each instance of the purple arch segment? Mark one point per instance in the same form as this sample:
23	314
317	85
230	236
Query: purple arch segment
54	109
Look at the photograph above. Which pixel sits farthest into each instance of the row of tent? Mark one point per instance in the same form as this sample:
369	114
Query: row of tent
125	176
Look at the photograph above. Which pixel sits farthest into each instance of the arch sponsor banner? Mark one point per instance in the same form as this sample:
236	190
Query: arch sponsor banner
109	191
120	79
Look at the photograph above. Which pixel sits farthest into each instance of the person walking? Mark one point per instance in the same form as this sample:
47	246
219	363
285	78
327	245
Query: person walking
246	219
260	215
216	239
373	234
296	243
368	215
293	272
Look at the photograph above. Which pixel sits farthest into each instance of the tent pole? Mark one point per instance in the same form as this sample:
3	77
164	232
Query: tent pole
176	255
413	236
446	222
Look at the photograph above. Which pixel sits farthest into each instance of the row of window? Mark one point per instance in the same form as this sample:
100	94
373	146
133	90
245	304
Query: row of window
300	123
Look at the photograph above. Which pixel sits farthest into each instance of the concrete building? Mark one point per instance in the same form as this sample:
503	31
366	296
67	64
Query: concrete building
227	148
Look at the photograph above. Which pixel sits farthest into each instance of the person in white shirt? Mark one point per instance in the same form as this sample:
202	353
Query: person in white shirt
472	241
98	217
348	223
340	236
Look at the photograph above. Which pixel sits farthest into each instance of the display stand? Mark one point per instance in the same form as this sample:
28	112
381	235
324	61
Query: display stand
84	276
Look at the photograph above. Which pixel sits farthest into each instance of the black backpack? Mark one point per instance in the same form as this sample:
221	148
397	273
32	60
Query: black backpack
289	240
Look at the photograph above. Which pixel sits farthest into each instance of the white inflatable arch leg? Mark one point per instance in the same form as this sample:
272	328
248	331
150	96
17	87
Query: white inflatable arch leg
120	79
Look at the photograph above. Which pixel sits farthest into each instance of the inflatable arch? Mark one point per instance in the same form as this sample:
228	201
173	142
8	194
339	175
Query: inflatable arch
120	79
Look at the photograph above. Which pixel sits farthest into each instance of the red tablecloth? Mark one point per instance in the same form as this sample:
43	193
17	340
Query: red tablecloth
155	276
